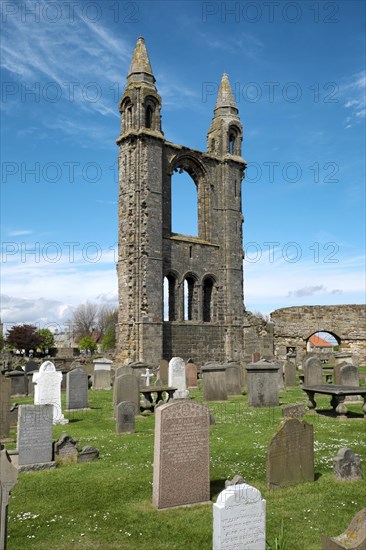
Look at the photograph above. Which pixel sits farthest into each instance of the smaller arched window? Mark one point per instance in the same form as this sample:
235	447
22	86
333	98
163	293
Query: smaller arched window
207	299
234	141
170	289
148	116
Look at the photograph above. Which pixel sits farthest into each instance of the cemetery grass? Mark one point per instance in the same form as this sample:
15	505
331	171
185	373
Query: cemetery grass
106	504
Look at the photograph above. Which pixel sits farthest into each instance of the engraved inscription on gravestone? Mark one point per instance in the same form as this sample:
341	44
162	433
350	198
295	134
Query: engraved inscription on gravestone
239	519
34	440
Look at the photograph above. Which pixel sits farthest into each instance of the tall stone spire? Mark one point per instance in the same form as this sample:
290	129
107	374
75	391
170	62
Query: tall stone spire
226	132
140	104
140	68
225	97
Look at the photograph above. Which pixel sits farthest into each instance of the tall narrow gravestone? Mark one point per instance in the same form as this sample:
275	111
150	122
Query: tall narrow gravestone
34	440
191	376
313	375
8	478
181	454
263	384
102	374
233	379
349	376
5	393
290	456
125	417
177	377
127	389
77	389
290	373
239	519
48	390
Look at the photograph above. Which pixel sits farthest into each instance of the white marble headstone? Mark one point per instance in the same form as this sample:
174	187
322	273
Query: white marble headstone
177	377
239	519
48	390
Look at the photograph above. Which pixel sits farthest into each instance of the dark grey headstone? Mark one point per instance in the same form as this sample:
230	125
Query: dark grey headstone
125	417
8	478
347	465
5	391
290	457
77	389
34	441
127	389
313	374
233	379
290	373
214	382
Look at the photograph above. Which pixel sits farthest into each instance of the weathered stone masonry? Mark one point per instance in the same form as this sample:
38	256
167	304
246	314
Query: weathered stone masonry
211	264
294	325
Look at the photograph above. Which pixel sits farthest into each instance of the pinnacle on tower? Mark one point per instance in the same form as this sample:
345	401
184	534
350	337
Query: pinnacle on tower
140	64
225	97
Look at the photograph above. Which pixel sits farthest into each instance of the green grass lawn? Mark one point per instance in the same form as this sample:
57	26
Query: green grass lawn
106	504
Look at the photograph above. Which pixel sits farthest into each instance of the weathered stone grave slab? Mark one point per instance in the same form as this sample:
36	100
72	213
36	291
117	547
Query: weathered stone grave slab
337	372
77	389
18	382
290	456
347	465
127	389
8	478
88	454
65	449
191	376
34	441
214	382
349	376
353	538
239	519
181	454
102	374
262	379
177	377
5	394
47	390
233	378
125	417
163	372
293	411
280	380
290	374
313	374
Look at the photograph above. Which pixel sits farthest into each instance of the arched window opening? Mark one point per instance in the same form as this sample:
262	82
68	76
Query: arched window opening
128	116
184	204
232	143
169	298
149	116
207	291
323	342
189	284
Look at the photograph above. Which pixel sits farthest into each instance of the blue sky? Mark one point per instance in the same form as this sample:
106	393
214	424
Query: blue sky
297	72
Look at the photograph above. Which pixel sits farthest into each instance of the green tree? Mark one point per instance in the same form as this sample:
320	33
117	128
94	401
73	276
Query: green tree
87	343
23	337
109	338
46	339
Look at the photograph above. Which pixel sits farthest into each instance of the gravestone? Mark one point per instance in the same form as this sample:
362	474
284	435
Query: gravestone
343	356
147	376
102	374
8	478
34	440
88	454
163	372
47	390
280	380
177	377
5	393
191	376
181	454
293	411
349	376
313	375
353	538
66	451
127	389
347	465
233	379
290	456
214	382
262	379
125	417
256	357
239	519
18	382
337	372
290	373
31	366
77	389
124	369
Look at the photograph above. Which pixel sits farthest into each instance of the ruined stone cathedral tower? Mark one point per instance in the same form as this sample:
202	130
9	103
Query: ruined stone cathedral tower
203	275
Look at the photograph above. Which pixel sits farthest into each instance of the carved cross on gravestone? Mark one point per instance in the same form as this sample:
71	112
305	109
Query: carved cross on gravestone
8	478
148	374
